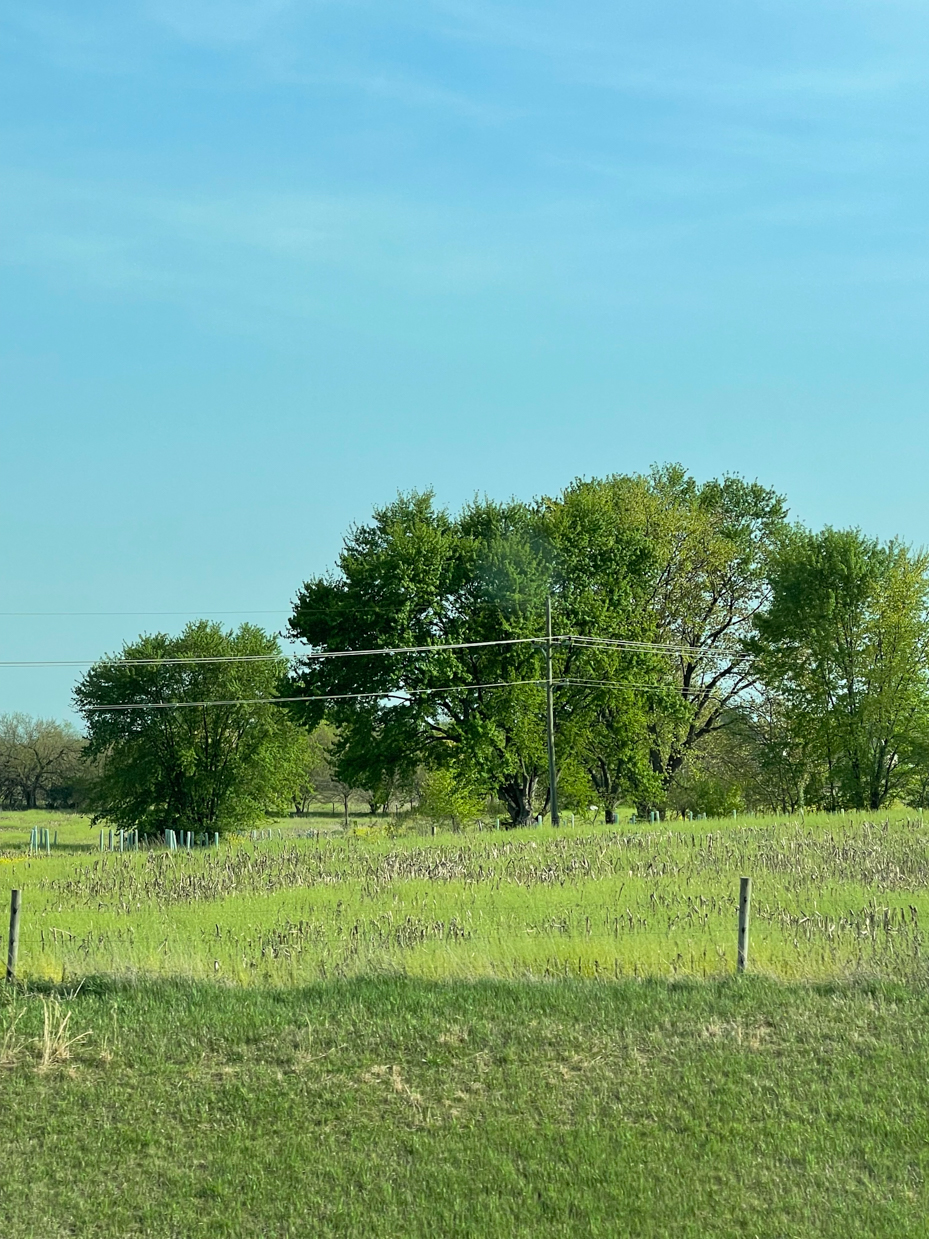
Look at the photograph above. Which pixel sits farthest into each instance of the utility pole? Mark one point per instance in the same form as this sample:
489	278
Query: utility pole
550	714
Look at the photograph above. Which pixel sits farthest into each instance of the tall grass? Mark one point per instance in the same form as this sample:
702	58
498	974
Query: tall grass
268	1055
832	898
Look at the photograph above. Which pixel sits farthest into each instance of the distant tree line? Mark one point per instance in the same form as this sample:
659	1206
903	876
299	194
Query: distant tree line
40	764
710	655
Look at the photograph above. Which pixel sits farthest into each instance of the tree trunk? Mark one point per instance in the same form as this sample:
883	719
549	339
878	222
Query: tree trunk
516	794
607	789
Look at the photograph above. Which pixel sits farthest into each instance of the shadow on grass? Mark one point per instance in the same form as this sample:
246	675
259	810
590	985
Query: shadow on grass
389	989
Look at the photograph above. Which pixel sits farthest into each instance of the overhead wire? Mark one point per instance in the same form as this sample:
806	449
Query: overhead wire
664	646
401	695
630	684
258	658
589	642
151	662
395	695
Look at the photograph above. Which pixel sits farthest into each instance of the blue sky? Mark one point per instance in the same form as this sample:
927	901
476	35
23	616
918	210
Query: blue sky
264	263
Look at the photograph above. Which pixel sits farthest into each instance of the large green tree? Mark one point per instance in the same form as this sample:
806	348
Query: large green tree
844	647
202	747
604	561
417	576
681	567
629	561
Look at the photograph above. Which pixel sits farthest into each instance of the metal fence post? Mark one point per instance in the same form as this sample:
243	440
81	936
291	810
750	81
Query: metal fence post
16	899
745	900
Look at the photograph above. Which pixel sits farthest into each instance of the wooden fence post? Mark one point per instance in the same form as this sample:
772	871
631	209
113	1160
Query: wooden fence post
745	899
16	899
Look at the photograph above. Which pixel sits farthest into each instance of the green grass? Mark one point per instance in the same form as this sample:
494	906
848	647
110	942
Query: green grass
484	1034
833	899
383	1107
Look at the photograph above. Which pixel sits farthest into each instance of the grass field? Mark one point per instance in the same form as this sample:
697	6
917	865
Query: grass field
386	1107
833	898
528	1033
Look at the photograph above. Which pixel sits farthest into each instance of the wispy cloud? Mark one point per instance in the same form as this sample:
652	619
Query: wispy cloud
281	43
710	50
562	191
408	89
101	41
269	263
492	62
253	259
217	22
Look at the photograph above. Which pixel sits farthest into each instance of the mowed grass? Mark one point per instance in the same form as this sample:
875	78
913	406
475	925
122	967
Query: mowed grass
395	1107
833	899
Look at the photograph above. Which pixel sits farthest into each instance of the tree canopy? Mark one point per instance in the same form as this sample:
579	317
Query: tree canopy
201	748
844	647
418	577
653	581
681	568
39	762
706	654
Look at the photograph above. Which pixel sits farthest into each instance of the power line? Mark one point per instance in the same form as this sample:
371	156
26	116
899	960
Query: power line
251	701
153	662
589	642
402	695
258	658
677	689
664	646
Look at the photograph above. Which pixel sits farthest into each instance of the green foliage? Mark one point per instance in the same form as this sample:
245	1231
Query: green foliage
604	568
446	797
575	790
201	767
685	609
40	762
843	649
711	545
702	790
417	577
655	558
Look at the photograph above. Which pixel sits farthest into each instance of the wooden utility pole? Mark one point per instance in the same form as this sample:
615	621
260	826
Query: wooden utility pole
550	715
